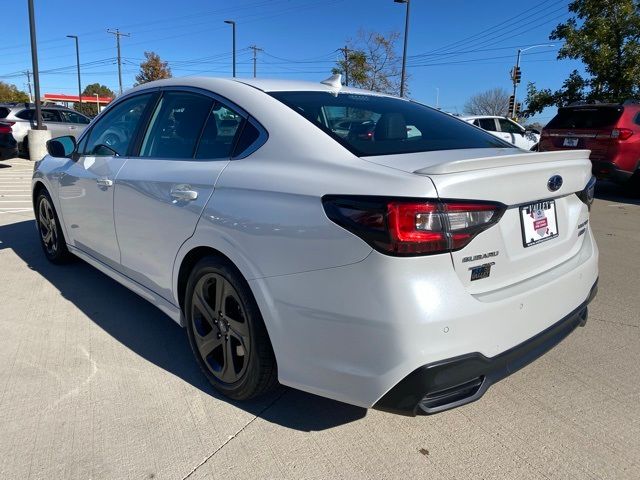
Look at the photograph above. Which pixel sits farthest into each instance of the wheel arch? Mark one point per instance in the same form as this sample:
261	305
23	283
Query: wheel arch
193	256
38	186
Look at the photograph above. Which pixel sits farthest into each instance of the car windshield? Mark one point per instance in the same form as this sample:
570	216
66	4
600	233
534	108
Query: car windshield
370	125
585	118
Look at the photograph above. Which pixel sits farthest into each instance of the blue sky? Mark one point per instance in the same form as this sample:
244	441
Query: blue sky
460	47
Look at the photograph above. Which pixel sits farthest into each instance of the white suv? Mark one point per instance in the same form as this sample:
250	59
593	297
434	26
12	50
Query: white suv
508	130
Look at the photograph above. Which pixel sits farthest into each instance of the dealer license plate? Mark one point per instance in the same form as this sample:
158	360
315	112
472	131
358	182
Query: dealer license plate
539	222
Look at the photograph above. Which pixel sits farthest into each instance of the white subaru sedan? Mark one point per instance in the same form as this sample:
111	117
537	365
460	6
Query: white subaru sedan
302	235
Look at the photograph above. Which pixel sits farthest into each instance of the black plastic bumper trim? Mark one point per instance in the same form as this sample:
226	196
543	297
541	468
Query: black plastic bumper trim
448	383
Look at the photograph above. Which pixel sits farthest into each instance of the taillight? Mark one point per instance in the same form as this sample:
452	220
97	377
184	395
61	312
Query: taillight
588	194
5	127
621	133
408	227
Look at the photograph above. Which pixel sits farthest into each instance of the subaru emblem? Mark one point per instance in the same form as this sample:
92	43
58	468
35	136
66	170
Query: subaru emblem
554	183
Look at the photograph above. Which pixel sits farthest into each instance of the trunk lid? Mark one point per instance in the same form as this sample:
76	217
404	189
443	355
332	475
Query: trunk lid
516	179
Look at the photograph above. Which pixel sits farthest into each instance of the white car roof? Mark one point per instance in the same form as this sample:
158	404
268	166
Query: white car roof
264	84
474	117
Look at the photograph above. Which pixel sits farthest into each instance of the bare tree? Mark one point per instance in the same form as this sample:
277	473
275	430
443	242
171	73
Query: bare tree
373	62
489	102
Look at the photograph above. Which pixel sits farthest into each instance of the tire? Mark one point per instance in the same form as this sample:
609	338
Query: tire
52	239
228	337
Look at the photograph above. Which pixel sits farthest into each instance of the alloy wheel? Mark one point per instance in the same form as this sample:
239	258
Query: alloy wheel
221	329
48	226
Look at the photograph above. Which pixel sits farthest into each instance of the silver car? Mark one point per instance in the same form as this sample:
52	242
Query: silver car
59	120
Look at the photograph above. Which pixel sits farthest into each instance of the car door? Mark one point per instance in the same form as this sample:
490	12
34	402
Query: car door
514	133
488	124
86	184
161	192
54	122
76	123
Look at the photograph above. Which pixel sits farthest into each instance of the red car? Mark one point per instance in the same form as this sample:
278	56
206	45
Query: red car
610	131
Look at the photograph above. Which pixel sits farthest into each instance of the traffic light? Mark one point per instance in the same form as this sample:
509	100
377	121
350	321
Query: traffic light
512	102
518	108
516	75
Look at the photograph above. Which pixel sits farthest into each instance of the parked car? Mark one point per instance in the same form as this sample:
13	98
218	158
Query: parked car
508	130
402	272
610	131
59	120
8	144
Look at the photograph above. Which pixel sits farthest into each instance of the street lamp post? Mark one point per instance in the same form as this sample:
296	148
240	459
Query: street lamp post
34	62
233	26
404	50
75	37
517	67
97	102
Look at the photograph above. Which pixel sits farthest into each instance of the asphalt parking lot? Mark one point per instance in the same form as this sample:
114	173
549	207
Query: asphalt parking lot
95	383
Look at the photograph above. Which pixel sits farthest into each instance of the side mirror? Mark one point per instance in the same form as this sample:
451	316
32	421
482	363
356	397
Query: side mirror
61	147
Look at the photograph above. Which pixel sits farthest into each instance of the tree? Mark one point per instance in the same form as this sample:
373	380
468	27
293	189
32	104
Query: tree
489	102
372	62
153	68
90	108
10	93
605	35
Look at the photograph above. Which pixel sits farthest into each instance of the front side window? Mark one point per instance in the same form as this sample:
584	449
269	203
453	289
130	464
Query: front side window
176	125
509	127
116	129
74	117
219	134
377	125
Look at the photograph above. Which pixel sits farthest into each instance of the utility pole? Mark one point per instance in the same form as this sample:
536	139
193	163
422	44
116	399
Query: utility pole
255	51
75	37
345	51
28	74
34	62
119	34
233	25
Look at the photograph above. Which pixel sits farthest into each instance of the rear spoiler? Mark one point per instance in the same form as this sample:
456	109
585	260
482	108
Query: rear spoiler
481	163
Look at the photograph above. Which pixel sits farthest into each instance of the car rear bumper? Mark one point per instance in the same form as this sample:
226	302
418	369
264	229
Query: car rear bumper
353	333
457	381
8	147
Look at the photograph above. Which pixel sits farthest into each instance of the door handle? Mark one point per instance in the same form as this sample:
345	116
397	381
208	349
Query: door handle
104	182
183	193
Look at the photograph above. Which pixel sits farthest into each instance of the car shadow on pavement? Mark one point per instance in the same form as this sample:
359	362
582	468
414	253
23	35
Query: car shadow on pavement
149	333
614	192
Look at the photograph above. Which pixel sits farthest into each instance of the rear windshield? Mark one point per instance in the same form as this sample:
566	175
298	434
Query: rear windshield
585	118
375	125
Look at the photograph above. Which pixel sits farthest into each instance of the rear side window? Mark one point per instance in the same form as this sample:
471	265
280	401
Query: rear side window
219	133
4	111
117	127
377	125
176	125
585	118
25	114
247	138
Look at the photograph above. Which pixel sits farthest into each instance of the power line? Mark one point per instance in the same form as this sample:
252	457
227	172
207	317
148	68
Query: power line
255	52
